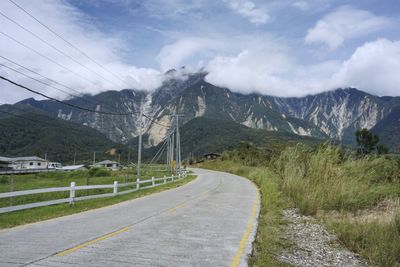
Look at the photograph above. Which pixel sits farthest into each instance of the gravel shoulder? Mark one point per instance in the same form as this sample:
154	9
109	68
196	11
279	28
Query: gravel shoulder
312	245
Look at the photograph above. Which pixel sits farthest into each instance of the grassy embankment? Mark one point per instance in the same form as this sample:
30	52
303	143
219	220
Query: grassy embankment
60	179
356	198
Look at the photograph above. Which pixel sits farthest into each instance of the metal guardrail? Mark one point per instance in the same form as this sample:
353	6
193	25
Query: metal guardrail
73	188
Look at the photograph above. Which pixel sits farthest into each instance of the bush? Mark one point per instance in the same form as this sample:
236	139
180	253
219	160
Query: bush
99	172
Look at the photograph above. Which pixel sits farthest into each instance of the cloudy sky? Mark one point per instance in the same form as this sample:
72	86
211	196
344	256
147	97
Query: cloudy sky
275	47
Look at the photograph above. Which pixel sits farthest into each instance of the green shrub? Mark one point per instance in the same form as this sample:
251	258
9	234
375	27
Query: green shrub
99	172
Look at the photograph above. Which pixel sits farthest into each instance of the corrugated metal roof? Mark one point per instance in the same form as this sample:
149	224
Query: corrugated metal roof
106	162
31	158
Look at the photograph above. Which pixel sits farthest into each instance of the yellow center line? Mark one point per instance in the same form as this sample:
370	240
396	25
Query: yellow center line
173	209
88	243
242	245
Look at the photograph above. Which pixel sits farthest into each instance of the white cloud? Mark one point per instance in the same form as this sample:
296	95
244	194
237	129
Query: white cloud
343	24
248	10
77	28
374	67
180	52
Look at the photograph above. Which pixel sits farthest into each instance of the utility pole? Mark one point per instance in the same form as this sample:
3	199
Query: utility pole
94	158
129	155
140	144
178	144
172	153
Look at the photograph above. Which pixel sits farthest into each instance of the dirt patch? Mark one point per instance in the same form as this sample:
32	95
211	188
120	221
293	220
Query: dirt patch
313	245
384	213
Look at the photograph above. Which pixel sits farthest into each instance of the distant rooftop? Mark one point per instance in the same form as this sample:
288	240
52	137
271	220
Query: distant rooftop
106	162
30	158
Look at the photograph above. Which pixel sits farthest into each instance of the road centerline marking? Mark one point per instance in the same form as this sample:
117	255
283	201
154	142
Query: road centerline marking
93	241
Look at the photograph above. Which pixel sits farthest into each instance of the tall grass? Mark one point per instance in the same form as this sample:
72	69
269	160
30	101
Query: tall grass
323	179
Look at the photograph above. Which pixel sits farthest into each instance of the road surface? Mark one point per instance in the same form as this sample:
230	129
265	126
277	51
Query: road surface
210	221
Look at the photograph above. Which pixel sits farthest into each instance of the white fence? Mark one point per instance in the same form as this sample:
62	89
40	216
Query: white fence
73	188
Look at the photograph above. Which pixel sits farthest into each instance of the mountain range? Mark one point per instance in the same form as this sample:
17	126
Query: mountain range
332	115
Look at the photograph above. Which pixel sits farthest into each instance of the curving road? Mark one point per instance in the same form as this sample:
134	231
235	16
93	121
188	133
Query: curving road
211	221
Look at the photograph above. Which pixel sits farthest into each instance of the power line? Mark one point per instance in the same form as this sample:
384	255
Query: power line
47	84
44	56
62	102
55	48
76	106
66	41
54	81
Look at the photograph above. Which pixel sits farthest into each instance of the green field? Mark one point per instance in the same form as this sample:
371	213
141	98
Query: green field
63	179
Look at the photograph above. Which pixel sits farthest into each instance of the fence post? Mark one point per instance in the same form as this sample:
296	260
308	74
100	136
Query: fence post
11	188
152	181
115	191
72	194
137	183
165	179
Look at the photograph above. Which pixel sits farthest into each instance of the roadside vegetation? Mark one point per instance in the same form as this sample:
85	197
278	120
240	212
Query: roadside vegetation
356	196
62	179
94	176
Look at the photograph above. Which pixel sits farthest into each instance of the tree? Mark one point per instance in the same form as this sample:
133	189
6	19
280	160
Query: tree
382	149
366	140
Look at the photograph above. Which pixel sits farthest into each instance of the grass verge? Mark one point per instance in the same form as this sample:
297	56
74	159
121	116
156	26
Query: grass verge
8	220
325	182
268	242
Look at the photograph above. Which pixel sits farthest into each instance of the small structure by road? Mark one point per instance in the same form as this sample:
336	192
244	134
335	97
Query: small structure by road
211	156
23	163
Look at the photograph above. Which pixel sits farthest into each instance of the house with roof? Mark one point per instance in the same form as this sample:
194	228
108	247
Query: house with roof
23	163
111	165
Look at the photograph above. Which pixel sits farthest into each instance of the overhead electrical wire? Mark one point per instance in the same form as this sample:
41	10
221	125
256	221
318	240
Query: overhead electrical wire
54	81
58	64
44	56
51	80
76	106
65	40
54	47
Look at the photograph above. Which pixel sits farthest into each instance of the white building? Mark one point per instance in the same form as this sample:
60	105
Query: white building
23	163
112	165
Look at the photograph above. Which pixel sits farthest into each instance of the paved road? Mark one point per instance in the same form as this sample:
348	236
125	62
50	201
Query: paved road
208	222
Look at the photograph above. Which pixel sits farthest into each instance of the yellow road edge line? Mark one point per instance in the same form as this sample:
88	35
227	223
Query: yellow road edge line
78	247
242	245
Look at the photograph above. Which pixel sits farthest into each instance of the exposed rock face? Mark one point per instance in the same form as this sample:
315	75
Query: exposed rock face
336	114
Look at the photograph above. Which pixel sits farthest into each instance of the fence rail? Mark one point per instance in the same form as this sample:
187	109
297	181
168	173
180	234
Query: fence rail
73	188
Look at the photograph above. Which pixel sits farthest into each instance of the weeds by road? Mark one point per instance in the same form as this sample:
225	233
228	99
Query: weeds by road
345	193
